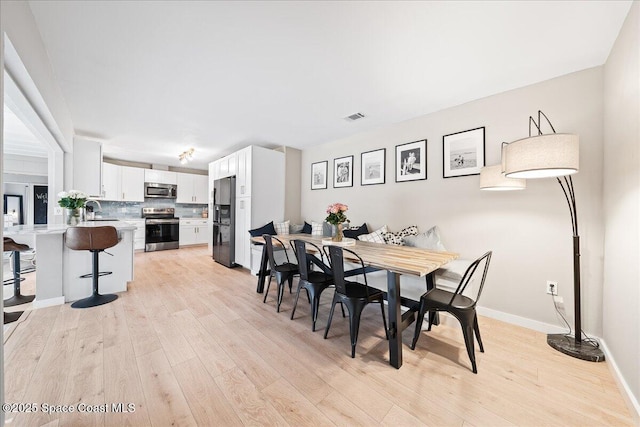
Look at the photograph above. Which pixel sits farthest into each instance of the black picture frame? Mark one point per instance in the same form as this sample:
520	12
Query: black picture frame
411	161
13	206
463	153
343	172
319	175
373	167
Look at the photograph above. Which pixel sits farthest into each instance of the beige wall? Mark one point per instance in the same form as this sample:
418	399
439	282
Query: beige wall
529	231
621	299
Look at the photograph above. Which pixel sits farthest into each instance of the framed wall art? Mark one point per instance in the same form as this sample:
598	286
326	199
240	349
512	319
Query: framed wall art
343	172
373	167
463	153
319	175
411	161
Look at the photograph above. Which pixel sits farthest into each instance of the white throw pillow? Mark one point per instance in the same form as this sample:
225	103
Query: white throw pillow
430	239
282	227
375	237
317	229
397	239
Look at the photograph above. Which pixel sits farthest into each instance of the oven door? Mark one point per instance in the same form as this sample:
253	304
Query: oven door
161	234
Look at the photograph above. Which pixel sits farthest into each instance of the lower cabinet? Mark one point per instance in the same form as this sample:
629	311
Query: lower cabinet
193	232
139	234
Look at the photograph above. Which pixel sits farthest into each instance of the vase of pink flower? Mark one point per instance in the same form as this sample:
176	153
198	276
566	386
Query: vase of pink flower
337	217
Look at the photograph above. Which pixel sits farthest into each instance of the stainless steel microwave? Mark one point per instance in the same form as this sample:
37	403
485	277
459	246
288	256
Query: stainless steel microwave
165	191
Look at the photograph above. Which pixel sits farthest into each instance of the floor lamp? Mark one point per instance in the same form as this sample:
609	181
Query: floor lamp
548	156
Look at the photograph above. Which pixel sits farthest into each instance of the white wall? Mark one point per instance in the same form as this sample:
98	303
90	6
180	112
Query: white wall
621	298
529	231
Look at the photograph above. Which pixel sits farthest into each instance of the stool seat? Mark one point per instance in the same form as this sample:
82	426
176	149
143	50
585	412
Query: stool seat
94	240
10	245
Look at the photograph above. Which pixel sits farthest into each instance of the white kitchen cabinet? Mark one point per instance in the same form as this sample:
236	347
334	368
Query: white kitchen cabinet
111	182
139	234
242	237
87	166
122	183
193	232
132	184
192	188
243	175
160	177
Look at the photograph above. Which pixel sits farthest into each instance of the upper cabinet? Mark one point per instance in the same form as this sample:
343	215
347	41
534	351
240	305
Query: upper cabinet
87	166
243	176
224	167
123	183
160	177
192	188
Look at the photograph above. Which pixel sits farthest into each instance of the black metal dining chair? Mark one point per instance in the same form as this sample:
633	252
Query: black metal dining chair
312	281
355	296
460	306
282	272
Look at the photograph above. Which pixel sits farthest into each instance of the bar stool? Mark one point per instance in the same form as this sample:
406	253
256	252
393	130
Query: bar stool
11	246
94	240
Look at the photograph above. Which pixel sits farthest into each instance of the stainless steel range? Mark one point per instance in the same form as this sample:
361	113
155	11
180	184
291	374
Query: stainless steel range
162	229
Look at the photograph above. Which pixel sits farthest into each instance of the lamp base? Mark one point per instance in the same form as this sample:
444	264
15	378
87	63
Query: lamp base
568	345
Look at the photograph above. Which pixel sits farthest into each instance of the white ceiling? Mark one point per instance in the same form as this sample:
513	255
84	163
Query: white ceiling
151	79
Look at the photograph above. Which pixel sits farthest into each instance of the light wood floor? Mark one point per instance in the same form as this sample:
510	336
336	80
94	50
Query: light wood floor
191	343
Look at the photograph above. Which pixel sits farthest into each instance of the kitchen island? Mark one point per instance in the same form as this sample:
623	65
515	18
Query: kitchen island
58	268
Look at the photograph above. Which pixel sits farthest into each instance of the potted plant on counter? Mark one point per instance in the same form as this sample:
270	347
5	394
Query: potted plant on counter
74	202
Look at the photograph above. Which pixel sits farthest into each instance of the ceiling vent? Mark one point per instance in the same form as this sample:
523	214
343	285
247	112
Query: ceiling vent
354	117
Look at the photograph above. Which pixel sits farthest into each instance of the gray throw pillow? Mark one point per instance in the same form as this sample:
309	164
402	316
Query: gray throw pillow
430	239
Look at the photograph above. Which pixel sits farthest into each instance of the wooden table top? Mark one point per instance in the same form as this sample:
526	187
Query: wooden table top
398	259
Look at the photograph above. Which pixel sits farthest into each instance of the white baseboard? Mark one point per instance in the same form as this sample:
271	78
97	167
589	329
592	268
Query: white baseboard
521	321
630	399
49	302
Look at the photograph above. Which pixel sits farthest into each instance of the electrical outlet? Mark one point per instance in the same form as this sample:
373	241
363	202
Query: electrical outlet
552	287
57	210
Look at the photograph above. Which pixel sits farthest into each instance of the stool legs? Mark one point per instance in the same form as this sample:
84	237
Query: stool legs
17	297
96	298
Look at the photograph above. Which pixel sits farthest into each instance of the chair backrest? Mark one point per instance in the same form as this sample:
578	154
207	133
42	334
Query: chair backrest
336	257
91	238
473	271
304	261
268	241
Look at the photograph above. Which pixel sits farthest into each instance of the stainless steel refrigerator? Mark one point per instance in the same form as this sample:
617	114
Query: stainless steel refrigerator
224	216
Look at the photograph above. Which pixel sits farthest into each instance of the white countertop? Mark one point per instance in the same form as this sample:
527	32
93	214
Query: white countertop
61	228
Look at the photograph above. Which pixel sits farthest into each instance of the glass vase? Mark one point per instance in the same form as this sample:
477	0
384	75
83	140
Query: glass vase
74	216
339	234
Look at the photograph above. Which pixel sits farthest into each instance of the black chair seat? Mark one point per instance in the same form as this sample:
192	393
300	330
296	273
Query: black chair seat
358	290
442	299
287	267
319	277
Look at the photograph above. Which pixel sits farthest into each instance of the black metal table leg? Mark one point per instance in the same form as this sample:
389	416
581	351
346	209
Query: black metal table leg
264	272
395	319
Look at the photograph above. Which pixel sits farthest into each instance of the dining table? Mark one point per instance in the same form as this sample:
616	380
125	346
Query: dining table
396	260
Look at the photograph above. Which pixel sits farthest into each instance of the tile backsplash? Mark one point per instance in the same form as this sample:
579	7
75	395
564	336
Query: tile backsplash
125	210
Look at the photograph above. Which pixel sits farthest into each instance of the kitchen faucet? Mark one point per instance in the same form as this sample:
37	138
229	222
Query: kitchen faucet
90	210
